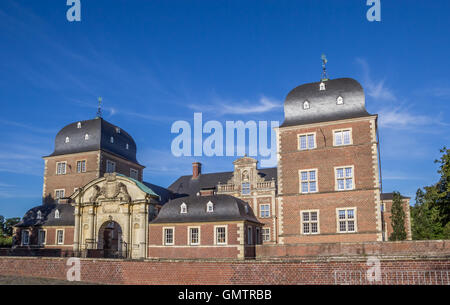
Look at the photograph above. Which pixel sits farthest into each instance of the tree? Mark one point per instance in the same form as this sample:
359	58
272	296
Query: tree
431	213
397	218
9	225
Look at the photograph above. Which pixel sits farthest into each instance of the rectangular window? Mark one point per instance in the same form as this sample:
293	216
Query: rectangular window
134	173
25	237
110	166
61	168
249	236
307	141
81	166
308	181
264	210
168	236
346	220
310	222
194	236
342	137
60	237
41	237
344	178
59	194
245	188
221	235
258	236
266	234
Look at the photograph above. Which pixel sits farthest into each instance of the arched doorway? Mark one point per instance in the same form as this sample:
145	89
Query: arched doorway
110	240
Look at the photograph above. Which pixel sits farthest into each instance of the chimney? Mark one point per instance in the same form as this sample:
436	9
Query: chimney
196	169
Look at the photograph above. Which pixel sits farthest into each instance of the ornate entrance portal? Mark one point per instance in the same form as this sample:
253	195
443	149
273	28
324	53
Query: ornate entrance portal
112	214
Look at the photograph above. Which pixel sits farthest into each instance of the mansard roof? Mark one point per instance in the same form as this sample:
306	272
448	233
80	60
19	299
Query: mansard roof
99	133
323	104
66	216
226	208
187	186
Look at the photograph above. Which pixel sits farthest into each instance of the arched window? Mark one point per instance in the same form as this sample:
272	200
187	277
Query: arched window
127	146
183	208
111	140
67	140
322	86
117	130
57	214
210	207
79	125
339	100
305	105
39	215
86	136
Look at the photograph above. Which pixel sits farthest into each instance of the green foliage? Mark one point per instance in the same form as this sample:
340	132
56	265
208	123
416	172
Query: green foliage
398	218
5	241
431	213
6	230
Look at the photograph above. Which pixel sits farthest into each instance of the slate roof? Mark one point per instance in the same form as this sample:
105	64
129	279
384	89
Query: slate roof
226	208
323	105
48	216
100	133
186	186
390	196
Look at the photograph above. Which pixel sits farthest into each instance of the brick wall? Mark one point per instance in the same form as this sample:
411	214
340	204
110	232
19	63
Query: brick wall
329	271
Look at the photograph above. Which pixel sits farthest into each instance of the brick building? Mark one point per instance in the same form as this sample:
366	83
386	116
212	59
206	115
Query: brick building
326	188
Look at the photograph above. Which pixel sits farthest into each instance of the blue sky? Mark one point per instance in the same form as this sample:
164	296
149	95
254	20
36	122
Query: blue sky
155	62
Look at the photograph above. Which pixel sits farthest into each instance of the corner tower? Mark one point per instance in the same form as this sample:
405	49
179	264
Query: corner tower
328	172
84	151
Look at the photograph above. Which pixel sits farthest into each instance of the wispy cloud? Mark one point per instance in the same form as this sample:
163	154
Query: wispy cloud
223	107
375	89
401	117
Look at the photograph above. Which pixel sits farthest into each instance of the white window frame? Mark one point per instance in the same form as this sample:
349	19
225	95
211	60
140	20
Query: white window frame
57	237
346	219
38	215
67	140
308	180
261	210
65	168
127	146
183	208
306	105
307	141
39	237
22	240
133	170
190	236
79	125
111	140
63	193
216	242
113	164
57	214
322	86
266	234
210	207
336	187
342	136
249	188
164	236
80	169
309	222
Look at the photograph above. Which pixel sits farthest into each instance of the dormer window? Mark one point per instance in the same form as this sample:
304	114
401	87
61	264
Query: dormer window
79	125
183	208
57	214
339	100
39	215
322	86
246	208
127	146
210	207
305	105
86	136
111	140
67	139
117	130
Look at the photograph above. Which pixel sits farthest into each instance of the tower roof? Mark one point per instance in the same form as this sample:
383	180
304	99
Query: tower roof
95	134
322	102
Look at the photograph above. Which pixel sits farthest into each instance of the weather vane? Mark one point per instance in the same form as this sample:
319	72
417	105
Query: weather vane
324	68
99	109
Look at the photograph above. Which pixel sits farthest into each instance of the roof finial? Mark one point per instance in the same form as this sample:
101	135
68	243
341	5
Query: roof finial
99	109
324	68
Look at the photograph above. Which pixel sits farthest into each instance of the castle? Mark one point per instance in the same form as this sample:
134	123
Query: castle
326	188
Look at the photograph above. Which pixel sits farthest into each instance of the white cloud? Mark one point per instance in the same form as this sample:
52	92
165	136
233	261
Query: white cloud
375	89
223	107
